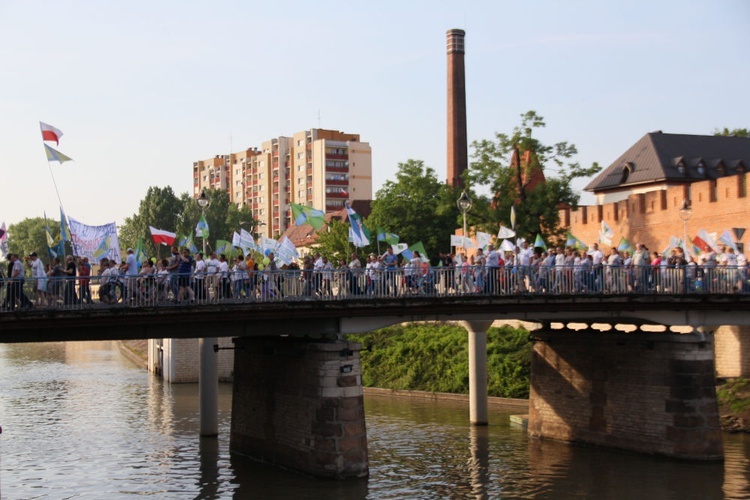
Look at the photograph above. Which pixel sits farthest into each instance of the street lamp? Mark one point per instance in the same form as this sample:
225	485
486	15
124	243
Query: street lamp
203	202
464	205
685	213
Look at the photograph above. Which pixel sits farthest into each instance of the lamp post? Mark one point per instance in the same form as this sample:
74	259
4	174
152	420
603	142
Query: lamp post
203	202
208	376
464	205
685	213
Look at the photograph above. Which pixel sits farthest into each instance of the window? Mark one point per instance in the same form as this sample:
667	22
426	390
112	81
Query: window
741	185
714	191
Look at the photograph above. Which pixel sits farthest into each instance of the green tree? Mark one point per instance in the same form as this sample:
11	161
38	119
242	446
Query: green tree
416	207
333	242
507	166
161	209
737	132
30	235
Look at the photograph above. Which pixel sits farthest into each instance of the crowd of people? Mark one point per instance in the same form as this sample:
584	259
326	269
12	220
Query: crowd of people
184	277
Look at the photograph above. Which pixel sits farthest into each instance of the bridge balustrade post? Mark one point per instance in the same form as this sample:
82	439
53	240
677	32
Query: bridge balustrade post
478	410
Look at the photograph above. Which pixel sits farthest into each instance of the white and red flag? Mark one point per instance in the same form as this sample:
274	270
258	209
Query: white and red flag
50	133
162	237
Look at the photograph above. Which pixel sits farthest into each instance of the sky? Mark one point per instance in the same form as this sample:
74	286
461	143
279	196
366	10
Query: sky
142	89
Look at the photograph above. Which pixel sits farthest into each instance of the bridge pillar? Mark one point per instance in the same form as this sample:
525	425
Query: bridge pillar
477	370
732	348
208	387
299	404
644	392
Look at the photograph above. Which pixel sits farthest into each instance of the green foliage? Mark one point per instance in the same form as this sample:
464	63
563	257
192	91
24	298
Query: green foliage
735	394
434	358
737	132
536	207
333	242
162	209
30	235
416	207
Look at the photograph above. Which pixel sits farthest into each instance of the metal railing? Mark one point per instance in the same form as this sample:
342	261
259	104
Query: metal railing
345	284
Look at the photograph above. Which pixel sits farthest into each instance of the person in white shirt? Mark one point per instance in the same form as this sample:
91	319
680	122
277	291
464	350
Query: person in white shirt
40	279
199	277
212	276
597	257
492	263
223	277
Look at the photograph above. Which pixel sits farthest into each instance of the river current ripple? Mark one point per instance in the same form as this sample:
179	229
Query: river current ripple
80	421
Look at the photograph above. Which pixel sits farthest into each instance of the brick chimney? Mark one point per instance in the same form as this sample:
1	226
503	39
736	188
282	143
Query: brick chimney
458	150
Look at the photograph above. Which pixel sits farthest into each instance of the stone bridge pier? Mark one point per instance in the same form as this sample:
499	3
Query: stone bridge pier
644	392
299	404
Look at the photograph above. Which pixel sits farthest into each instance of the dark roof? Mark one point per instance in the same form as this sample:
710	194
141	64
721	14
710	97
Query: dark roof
659	157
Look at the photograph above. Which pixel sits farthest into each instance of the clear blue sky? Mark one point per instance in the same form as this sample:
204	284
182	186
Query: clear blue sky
141	89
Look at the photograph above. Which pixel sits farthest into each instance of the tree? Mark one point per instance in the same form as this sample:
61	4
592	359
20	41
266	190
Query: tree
333	242
736	132
511	167
160	209
416	207
30	235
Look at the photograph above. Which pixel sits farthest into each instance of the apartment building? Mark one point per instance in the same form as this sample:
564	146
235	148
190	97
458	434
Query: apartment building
318	168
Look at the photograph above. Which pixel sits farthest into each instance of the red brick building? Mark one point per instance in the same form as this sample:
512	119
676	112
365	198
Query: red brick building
641	193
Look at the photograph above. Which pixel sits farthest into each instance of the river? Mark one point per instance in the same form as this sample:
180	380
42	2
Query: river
80	421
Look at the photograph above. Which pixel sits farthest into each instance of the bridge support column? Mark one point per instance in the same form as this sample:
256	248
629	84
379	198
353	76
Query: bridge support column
208	387
644	392
478	412
732	348
299	404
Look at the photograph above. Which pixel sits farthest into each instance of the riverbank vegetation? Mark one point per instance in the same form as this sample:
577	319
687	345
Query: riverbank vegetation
734	405
434	358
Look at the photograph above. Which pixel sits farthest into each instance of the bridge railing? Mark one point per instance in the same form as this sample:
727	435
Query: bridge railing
348	284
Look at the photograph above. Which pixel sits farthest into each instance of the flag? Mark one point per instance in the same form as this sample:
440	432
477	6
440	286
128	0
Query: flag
606	234
247	242
287	252
624	246
483	239
50	133
307	215
360	234
456	240
513	217
268	245
507	246
726	238
700	244
187	242
505	233
64	229
201	229
54	155
572	241
103	249
162	237
224	247
468	243
520	241
418	247
389	238
539	243
3	241
140	251
708	239
399	247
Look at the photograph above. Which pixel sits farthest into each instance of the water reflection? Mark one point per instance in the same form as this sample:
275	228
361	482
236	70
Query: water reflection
80	421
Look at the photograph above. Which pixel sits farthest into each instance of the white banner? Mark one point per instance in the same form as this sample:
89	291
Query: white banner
456	240
94	242
287	252
483	239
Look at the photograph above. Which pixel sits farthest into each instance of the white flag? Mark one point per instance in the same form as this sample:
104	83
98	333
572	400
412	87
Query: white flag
399	247
505	233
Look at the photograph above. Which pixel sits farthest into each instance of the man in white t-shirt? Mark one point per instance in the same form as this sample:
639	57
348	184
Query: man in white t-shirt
597	256
493	263
40	279
199	277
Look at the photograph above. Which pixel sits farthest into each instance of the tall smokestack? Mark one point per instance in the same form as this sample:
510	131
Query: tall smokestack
458	149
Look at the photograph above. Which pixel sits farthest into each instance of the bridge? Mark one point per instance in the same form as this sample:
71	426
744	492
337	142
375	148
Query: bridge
607	366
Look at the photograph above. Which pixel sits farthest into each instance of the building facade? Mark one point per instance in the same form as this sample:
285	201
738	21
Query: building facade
643	194
318	168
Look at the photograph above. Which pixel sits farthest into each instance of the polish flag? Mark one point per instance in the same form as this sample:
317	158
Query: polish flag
162	237
50	133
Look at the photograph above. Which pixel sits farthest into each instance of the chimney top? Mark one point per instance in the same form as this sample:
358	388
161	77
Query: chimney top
455	41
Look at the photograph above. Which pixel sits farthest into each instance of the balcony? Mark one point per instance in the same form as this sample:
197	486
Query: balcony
337	169
337	182
336	157
342	195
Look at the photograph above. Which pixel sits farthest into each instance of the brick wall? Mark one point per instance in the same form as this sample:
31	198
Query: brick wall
300	405
653	217
651	393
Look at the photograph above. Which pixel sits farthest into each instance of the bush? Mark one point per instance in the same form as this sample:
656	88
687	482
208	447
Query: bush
434	358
